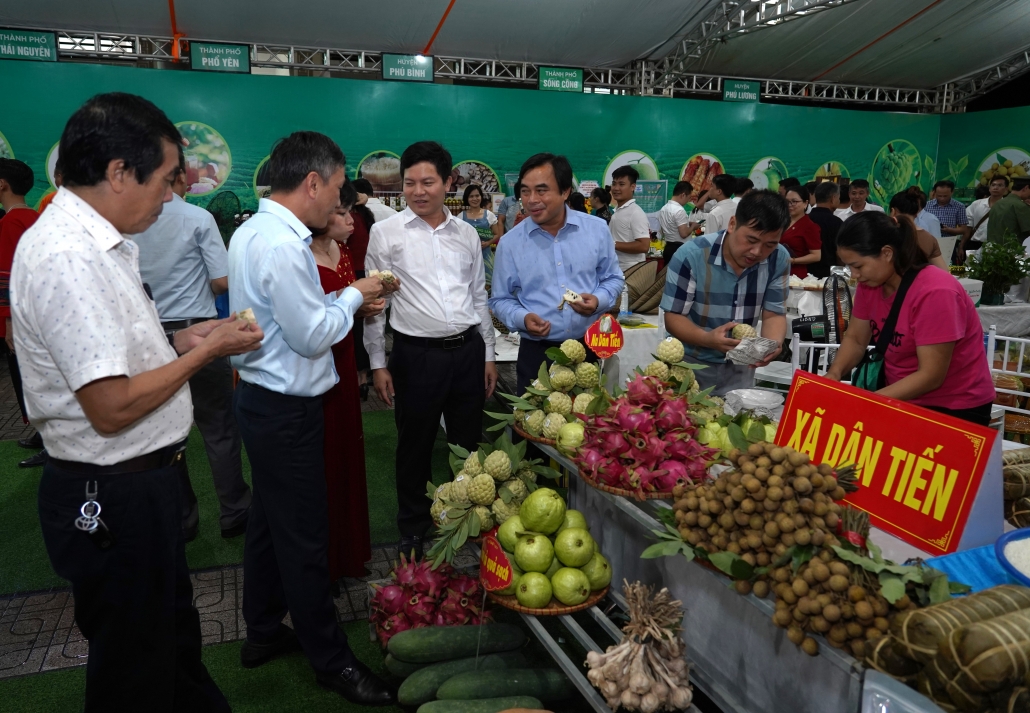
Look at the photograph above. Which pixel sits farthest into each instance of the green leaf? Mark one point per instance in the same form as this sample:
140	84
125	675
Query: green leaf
531	487
939	590
544	377
521	450
661	549
736	436
725	420
431	490
863	562
474	524
667	516
954	169
688	365
504	494
756	433
556	355
891	587
874	551
959	588
484	452
801	554
463	534
456	463
962	163
546	471
500	425
458	451
537	392
732	564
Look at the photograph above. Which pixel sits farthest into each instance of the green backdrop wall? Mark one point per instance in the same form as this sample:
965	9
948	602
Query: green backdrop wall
499	127
971	145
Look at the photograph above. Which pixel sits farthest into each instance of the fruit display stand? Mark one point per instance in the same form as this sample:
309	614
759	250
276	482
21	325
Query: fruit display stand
738	657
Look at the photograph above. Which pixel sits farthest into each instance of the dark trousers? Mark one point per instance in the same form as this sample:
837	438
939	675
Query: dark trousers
980	415
431	382
533	353
285	559
211	390
12	366
134	601
669	251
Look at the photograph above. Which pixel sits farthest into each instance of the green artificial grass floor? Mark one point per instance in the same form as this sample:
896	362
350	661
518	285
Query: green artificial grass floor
25	567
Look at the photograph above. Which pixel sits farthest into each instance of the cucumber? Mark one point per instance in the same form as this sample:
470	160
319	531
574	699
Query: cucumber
401	669
444	643
420	687
545	684
486	705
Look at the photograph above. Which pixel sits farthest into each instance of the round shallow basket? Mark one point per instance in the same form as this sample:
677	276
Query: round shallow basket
530	437
625	493
555	608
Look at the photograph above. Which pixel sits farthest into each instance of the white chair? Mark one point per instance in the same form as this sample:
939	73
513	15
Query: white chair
1012	354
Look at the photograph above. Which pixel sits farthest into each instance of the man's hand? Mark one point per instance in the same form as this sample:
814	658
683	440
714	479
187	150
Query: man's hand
587	307
191	337
490	378
536	326
233	336
382	381
768	360
10	335
362	199
371	289
718	339
371	310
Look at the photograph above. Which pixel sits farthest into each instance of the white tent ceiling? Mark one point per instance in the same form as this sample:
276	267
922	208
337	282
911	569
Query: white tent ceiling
860	42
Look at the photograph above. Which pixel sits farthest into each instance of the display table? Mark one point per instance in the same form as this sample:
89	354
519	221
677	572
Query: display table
638	348
1012	320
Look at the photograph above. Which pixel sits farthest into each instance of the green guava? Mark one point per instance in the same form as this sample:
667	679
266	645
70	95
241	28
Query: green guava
534	590
516	575
507	533
534	553
570	586
573	518
574	547
598	571
543	511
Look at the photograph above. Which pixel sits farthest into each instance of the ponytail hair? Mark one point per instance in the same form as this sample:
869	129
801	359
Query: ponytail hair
602	194
869	232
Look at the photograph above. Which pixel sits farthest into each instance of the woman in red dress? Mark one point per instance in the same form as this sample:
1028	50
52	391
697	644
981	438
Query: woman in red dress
350	544
804	236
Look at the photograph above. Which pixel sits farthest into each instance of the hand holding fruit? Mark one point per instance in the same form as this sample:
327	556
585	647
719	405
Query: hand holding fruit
587	306
371	289
536	326
720	340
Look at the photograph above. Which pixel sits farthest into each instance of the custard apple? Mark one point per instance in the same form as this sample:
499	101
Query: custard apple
533	399
538	386
519	415
460	490
743	331
436	510
658	369
517	489
670	350
502	511
486	520
472	465
682	374
553	424
562	378
558	403
525	472
574	350
534	422
498	466
587	375
443	492
482	490
581	403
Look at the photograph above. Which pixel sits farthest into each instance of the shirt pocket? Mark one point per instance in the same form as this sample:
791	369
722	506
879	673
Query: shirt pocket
458	265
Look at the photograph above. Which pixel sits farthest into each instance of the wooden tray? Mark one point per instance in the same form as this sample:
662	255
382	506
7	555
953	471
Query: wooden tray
529	437
555	608
625	493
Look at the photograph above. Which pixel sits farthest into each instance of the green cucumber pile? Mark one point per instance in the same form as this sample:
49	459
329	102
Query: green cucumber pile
442	673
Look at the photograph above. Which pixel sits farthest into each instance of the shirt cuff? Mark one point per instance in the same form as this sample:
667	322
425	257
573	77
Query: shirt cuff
518	320
491	355
350	299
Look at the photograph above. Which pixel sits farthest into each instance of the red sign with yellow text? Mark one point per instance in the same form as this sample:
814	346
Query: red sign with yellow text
494	568
919	470
604	337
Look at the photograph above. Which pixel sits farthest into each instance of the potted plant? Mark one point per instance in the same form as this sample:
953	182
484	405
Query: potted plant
999	266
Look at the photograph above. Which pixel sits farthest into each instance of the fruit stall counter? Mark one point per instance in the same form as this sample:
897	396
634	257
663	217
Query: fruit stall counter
738	657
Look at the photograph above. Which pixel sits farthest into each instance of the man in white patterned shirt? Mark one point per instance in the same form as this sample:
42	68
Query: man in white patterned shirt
108	392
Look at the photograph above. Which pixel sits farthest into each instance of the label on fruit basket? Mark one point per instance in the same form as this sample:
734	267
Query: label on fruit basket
494	568
920	472
604	337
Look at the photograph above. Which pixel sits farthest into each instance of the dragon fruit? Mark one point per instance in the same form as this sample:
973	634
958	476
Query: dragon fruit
392	625
675	472
670	415
388	600
454	608
644	390
633	420
429	581
420	609
404	573
614	443
466	586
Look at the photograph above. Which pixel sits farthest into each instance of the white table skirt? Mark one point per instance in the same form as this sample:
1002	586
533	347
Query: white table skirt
1012	320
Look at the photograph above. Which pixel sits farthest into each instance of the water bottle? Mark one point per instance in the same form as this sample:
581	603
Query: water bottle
624	308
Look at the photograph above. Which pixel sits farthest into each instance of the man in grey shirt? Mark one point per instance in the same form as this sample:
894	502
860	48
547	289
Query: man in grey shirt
184	262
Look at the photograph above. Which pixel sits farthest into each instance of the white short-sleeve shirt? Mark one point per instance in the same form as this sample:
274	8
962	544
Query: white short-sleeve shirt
629	223
670	218
80	314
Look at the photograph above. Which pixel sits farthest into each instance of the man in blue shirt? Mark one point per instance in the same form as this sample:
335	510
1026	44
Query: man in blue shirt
735	276
951	214
556	250
279	411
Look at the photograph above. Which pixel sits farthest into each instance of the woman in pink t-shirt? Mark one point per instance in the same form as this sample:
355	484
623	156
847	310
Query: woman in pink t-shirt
936	358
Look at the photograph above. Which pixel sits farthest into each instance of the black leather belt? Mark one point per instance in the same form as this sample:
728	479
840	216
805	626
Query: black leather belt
148	461
183	323
453	342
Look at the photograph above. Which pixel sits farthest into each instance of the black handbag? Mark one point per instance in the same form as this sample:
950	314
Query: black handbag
870	373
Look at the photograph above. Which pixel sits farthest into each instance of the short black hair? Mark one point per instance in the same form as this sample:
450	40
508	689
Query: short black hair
363	185
802	192
626	172
348	195
468	191
114	126
859	183
788	182
725	183
559	164
683	188
517	188
981	192
17	174
1020	183
743	186
825	191
950	185
999	178
299	154
428	152
578	202
765	211
905	203
603	194
869	232
810	187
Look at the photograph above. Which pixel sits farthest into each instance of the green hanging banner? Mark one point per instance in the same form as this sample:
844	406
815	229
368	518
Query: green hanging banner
22	44
558	79
408	67
736	91
211	57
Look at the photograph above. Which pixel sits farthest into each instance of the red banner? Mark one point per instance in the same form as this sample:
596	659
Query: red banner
494	567
919	470
604	337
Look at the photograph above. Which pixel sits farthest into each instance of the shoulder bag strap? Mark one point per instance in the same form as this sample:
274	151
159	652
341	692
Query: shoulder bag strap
981	221
887	332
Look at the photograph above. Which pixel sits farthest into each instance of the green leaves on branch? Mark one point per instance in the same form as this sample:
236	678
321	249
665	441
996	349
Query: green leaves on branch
931	585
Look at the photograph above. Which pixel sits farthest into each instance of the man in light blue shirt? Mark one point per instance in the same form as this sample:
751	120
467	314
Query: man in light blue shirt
556	250
279	410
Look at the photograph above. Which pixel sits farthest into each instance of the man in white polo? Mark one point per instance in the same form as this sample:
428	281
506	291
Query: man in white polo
674	226
628	225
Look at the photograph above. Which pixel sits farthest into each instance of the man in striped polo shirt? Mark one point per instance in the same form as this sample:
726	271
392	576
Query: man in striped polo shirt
736	276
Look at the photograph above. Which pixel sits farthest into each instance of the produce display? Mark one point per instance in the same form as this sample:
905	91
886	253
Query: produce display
1013	163
699	171
646	671
419	596
1016	477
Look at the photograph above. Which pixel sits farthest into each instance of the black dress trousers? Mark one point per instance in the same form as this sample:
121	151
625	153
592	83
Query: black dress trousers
431	382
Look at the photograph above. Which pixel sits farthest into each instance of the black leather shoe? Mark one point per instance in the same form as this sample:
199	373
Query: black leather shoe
34	461
253	655
409	544
358	685
236	530
33	442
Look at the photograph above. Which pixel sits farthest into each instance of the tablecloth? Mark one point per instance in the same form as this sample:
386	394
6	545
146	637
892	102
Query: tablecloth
638	346
1012	320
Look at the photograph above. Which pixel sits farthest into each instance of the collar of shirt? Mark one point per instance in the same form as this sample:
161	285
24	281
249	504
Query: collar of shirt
573	221
267	205
725	202
631	201
410	216
374	201
99	228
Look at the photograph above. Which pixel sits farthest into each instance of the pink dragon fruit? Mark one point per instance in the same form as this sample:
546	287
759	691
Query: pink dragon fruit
611	472
440	620
454	608
674	473
467	587
644	390
428	581
633	420
670	415
392	625
648	479
589	457
388	600
613	443
404	573
420	609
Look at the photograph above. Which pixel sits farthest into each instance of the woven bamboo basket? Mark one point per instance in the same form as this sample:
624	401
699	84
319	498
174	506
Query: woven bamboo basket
624	493
555	608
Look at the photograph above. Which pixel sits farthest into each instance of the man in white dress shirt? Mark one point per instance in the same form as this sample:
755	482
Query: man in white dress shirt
108	392
723	187
629	226
442	361
978	212
858	192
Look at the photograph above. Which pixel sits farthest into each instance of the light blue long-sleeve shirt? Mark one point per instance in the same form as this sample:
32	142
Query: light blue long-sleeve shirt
532	270
272	271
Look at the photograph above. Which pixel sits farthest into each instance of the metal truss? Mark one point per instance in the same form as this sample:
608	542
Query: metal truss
962	91
732	18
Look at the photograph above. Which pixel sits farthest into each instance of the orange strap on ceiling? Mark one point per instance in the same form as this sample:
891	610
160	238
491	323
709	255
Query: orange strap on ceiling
176	35
885	34
436	31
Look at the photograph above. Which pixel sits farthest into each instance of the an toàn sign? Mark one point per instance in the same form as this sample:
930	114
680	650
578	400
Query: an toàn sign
919	470
604	337
494	568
